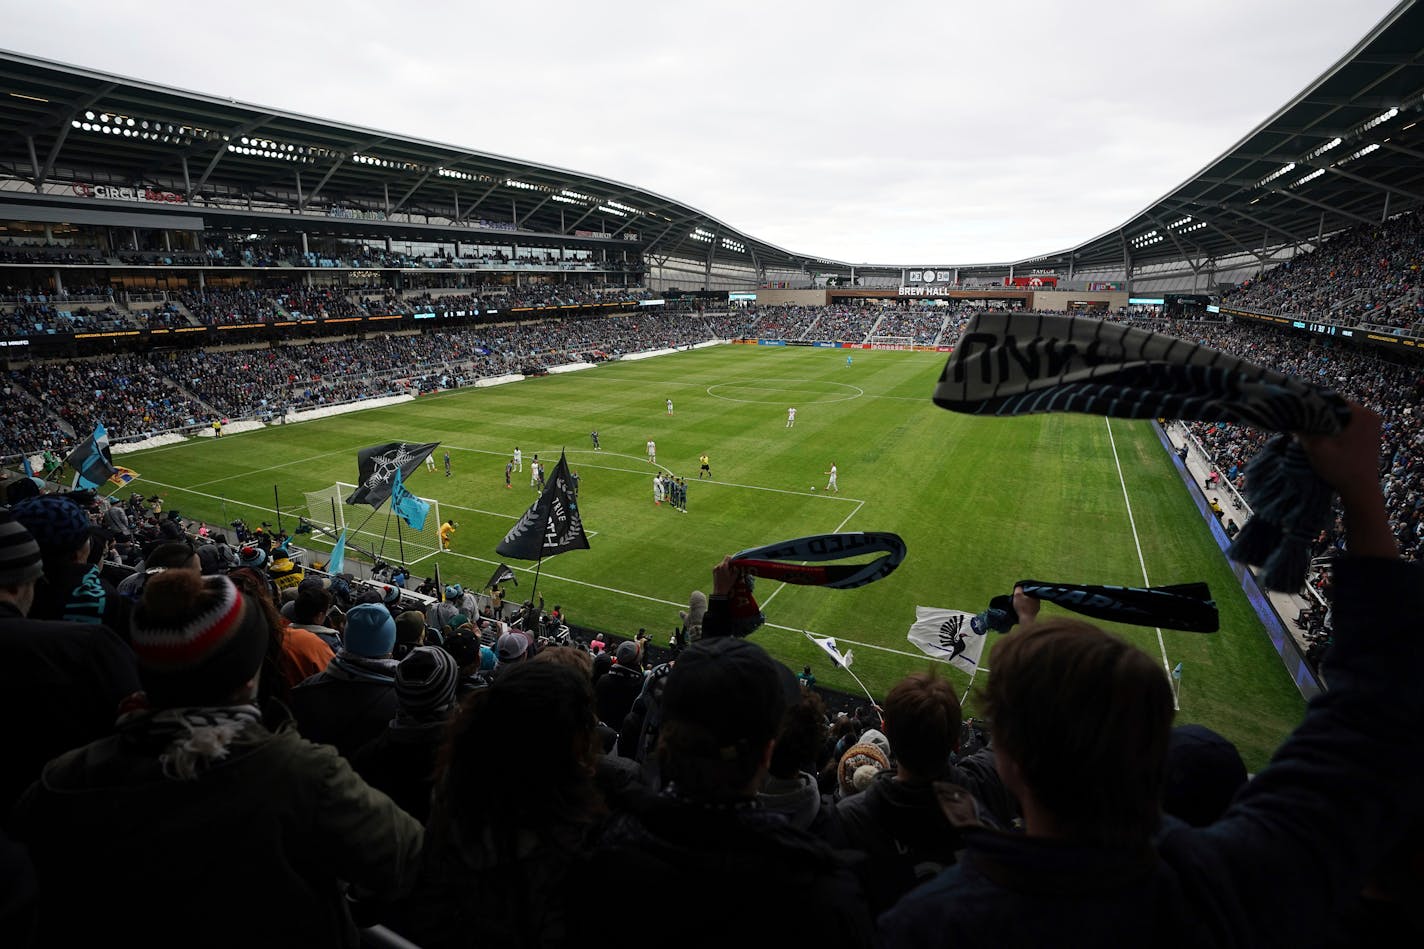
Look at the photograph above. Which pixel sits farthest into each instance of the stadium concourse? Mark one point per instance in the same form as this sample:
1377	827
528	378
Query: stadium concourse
210	741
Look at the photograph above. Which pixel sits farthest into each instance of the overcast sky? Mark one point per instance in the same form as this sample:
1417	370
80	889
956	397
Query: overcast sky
890	132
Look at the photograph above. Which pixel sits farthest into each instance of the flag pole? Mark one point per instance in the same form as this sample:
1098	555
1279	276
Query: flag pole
400	541
808	635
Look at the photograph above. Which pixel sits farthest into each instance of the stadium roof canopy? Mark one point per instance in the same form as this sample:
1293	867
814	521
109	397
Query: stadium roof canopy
1347	150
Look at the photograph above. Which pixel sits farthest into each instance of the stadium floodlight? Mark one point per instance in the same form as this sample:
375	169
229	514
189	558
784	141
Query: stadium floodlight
1283	170
1310	177
566	193
89	116
1373	146
614	211
1380	119
1176	224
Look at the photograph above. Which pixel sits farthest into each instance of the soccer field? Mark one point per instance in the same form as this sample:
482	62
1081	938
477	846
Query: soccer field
981	503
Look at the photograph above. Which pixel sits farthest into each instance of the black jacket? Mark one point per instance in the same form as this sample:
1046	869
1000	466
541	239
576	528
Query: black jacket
337	708
616	691
60	687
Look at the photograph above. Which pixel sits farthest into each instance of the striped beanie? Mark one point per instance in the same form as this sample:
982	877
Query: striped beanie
198	639
425	682
251	556
20	560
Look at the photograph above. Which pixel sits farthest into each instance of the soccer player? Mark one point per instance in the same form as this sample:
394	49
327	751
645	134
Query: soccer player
508	470
430	462
682	495
652	452
447	464
658	489
574	483
447	534
519	459
848	361
669	405
594	435
790	418
705	469
831	484
539	473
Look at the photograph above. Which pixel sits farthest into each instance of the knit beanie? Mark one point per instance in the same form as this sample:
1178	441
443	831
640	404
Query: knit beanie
197	639
425	681
370	631
410	626
856	757
56	523
251	556
20	560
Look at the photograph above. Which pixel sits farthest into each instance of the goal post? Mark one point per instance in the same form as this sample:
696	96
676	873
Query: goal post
892	342
328	511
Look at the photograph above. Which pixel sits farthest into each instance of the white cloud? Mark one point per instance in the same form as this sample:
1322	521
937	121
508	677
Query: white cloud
902	132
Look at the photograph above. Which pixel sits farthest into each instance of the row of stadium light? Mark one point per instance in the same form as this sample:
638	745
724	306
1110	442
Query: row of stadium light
1186	225
1147	240
1336	142
128	126
698	234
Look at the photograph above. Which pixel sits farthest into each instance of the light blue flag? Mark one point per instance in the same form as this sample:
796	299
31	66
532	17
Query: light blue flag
1177	672
407	506
338	556
29	468
91	460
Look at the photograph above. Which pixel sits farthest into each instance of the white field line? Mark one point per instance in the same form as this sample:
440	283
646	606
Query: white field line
1161	644
285	464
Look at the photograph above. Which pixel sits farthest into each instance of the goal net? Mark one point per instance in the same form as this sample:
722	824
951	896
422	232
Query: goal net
891	342
329	515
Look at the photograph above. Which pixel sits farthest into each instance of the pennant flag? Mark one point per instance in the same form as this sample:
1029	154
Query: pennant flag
1177	672
29	468
828	644
1027	363
1185	606
949	636
122	475
377	466
552	524
407	506
501	574
91	461
338	556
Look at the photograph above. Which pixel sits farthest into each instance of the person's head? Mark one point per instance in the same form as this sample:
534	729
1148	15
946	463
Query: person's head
1204	772
370	632
199	641
1080	723
425	684
99	540
801	737
571	656
628	655
722	707
537	720
59	526
311	604
172	555
922	721
21	564
410	628
512	647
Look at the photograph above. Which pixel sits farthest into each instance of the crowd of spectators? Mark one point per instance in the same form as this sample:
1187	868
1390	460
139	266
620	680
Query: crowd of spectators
124	392
855	324
465	773
1369	274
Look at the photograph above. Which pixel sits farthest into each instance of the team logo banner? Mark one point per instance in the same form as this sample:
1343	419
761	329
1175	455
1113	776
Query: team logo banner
552	524
948	635
377	467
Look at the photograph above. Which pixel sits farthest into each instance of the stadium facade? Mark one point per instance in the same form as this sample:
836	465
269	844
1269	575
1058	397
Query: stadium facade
110	181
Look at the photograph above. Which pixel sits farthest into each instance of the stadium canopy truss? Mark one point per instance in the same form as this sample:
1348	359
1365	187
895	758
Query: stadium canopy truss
1347	150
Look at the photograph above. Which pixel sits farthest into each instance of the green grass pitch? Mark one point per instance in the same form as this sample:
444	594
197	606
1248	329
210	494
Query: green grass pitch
980	502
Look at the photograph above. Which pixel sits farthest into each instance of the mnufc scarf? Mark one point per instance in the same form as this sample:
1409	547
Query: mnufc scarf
1027	363
782	561
1185	606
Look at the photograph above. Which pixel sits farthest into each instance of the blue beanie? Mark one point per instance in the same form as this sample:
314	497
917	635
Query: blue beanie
488	660
56	523
454	591
370	631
